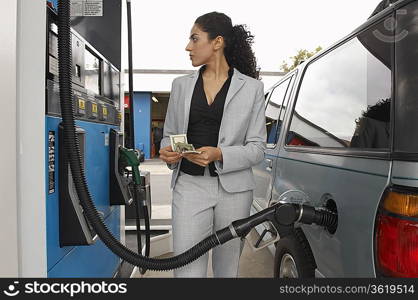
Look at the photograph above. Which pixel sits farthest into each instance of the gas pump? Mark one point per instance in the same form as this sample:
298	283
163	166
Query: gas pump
95	85
96	174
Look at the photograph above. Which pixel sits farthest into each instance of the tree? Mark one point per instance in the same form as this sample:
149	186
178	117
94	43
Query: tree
300	57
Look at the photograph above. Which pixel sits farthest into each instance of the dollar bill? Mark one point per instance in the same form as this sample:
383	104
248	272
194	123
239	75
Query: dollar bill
179	144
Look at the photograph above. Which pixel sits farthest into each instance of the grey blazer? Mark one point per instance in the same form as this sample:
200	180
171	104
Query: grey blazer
242	135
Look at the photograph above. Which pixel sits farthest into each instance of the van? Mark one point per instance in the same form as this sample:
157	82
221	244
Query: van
342	128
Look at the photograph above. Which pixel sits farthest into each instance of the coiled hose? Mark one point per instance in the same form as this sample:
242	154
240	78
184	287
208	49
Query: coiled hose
72	147
321	217
329	220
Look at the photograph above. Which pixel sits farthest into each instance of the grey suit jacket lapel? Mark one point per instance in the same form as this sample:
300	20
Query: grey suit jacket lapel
191	82
237	81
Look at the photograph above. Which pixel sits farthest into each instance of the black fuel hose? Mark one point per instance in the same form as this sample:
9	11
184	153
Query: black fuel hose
131	143
147	236
147	231
72	147
141	205
139	194
137	207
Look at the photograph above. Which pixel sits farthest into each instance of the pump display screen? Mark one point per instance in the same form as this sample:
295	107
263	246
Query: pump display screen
92	72
115	84
111	82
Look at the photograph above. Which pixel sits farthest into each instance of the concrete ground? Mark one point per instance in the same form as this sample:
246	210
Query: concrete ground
252	264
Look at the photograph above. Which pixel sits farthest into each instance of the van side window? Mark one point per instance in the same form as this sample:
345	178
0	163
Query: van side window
273	109
345	96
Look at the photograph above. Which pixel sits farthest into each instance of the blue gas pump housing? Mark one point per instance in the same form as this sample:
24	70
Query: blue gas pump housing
73	249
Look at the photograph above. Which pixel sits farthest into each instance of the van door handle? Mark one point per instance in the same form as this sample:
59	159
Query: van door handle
269	163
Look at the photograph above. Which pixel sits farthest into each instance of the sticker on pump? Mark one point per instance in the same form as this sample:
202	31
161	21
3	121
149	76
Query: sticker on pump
94	108
86	8
81	104
104	110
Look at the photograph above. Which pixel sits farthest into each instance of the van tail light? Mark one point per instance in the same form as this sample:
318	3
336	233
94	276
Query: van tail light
397	234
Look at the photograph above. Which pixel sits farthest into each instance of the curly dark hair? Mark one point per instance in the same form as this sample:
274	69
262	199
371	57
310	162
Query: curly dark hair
238	41
380	111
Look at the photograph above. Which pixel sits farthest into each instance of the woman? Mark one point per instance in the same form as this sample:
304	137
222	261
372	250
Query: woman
221	108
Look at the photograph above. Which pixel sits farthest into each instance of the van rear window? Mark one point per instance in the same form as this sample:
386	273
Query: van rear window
406	107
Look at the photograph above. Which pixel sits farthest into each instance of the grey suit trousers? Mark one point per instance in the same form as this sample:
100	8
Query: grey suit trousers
200	207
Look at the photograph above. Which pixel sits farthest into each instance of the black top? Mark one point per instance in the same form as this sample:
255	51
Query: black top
204	122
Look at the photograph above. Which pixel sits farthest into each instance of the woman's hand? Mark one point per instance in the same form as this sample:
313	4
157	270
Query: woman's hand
208	155
169	156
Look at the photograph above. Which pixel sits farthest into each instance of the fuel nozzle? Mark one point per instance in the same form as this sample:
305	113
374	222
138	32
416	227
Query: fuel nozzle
129	158
285	214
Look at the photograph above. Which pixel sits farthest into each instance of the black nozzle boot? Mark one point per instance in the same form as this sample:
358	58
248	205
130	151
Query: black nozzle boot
322	217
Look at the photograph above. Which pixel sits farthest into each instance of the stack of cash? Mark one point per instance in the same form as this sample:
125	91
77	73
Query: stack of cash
179	144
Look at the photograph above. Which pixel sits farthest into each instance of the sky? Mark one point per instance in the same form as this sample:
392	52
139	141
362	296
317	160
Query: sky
161	28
